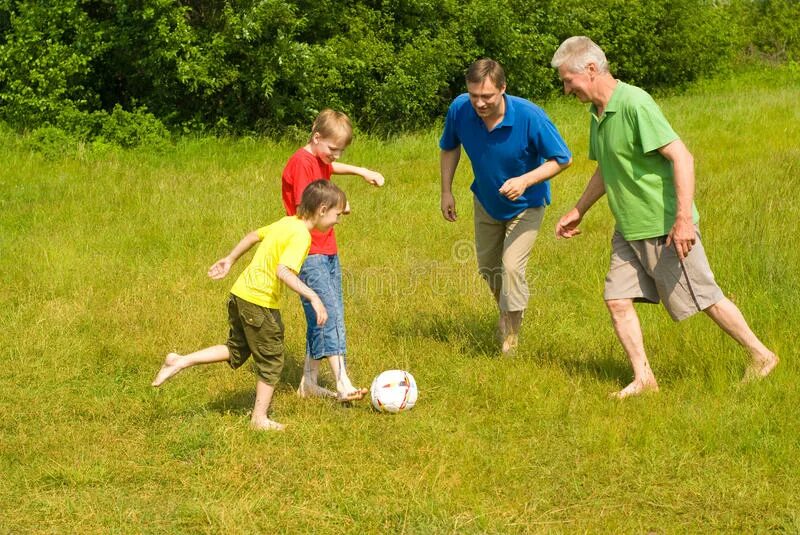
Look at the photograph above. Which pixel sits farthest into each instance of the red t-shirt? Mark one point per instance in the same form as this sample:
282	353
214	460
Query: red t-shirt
302	169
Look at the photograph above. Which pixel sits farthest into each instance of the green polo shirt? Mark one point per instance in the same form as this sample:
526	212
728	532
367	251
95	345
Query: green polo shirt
639	181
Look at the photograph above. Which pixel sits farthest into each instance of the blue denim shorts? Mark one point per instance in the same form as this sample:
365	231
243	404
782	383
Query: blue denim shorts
323	274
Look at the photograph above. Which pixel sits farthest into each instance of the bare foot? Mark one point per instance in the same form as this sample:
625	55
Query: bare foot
168	369
311	390
758	369
353	395
265	424
636	388
510	345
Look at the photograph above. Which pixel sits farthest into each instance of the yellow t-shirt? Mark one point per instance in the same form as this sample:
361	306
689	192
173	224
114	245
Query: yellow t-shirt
284	242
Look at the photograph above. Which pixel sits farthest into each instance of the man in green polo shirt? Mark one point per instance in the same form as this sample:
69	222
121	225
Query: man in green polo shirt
648	174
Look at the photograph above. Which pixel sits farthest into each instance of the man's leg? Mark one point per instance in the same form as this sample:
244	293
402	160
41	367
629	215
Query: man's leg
309	383
728	316
629	331
489	236
520	235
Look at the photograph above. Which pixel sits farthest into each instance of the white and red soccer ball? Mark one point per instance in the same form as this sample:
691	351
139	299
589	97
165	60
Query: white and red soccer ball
393	391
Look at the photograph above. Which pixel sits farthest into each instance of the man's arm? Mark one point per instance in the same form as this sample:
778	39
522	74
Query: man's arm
567	226
682	233
372	177
448	163
221	267
514	187
291	280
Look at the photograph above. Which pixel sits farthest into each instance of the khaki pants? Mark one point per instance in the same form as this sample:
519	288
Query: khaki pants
503	248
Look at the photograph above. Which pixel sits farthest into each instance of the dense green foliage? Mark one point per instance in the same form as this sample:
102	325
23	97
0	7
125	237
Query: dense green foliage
234	66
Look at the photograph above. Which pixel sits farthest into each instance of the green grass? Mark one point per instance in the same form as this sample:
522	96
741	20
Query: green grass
103	256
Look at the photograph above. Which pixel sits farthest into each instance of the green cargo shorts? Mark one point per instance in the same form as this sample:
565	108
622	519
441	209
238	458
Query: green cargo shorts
257	331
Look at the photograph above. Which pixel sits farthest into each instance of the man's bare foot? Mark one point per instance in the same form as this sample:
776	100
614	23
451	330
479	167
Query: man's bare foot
636	388
510	344
760	368
308	389
168	369
265	424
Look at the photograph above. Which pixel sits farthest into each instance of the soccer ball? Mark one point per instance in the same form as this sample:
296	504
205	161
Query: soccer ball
393	391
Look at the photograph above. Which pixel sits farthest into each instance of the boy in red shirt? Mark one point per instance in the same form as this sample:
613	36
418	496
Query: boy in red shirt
331	133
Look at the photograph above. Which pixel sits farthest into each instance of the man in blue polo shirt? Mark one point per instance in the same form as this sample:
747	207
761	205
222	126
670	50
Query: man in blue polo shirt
514	149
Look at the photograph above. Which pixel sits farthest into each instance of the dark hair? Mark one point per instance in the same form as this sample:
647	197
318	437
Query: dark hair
319	193
486	68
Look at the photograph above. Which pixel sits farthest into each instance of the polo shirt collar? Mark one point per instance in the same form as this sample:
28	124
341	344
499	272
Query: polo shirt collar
613	102
508	116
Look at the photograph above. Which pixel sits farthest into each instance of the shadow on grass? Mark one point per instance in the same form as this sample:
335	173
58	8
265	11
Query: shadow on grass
602	369
472	336
241	401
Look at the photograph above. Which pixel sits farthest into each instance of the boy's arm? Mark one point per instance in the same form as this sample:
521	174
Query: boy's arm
372	177
222	266
291	280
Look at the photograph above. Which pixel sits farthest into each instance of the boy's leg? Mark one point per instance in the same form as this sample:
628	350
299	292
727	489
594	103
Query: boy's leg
309	382
345	389
629	331
259	419
728	316
174	363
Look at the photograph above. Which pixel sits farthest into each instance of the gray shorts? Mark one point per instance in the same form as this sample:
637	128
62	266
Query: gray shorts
649	271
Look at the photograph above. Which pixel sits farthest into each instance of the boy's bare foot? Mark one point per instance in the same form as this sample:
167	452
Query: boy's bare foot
265	424
636	388
168	369
311	390
353	395
760	368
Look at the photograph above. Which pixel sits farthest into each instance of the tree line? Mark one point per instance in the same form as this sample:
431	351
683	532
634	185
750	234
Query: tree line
124	70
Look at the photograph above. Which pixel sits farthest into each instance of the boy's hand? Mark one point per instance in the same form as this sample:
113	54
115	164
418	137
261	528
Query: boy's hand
319	310
374	178
220	268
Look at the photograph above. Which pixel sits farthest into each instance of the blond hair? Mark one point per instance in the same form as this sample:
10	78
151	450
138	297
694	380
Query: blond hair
331	124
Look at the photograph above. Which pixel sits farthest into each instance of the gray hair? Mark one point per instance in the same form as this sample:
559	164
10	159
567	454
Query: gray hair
577	52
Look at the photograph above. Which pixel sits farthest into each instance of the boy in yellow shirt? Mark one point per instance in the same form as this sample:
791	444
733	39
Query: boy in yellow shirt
253	307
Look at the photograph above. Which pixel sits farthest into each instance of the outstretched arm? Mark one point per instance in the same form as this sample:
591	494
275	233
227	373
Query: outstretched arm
567	226
448	162
514	187
372	177
291	280
682	233
221	267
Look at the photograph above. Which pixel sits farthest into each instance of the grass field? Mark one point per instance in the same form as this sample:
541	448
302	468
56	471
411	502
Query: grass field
103	255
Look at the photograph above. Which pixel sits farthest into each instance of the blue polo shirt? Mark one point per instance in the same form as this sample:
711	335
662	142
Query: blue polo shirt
523	141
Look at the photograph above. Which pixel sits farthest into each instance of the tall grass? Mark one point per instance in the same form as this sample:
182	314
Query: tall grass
103	257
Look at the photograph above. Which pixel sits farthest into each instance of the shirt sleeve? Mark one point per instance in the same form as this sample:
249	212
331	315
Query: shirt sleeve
654	129
549	144
450	139
299	173
296	251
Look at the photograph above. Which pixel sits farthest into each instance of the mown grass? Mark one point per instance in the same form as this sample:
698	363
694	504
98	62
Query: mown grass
104	256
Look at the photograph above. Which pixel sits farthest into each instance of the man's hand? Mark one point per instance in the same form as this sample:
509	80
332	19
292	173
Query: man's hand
220	268
513	188
449	206
683	235
567	226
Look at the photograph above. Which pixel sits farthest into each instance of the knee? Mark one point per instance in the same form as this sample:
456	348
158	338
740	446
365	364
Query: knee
619	308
